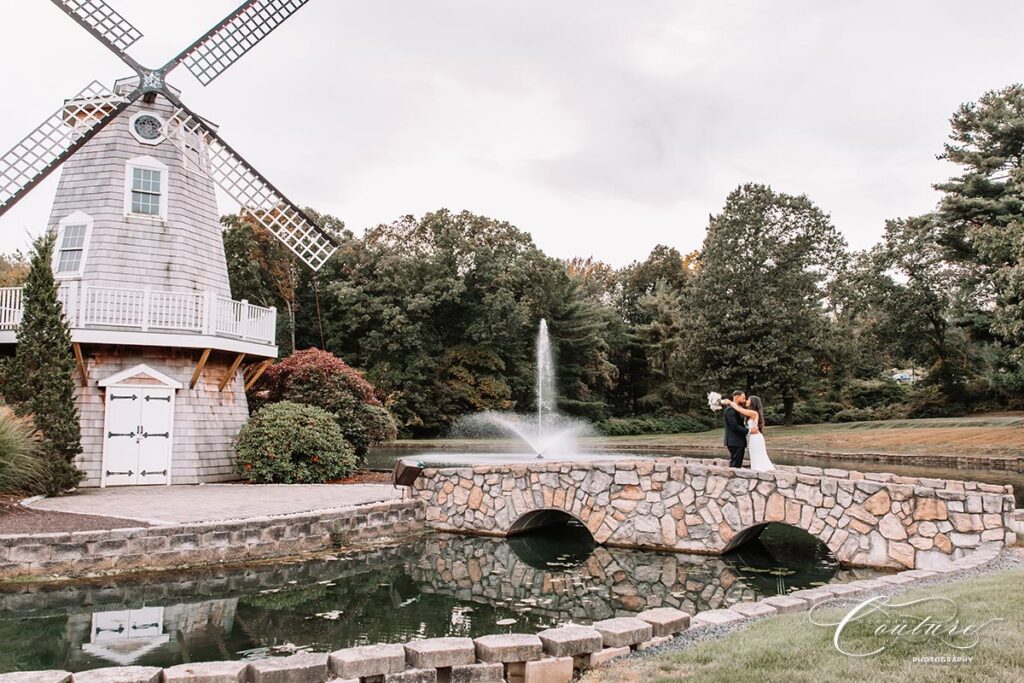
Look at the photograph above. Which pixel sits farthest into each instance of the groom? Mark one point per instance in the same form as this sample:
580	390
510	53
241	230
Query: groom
735	430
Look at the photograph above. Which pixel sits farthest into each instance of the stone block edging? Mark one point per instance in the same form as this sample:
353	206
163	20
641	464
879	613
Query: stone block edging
71	554
518	654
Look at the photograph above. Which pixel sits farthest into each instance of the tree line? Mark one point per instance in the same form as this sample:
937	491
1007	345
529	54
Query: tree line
440	311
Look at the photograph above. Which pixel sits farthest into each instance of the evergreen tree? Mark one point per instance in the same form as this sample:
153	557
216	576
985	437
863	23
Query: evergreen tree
40	378
757	299
982	209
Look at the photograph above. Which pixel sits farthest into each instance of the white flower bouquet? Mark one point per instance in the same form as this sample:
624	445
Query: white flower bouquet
714	401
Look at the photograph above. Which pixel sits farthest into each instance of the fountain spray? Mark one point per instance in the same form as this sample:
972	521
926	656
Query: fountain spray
546	399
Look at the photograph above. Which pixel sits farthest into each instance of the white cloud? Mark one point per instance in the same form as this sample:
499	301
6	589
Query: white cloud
601	128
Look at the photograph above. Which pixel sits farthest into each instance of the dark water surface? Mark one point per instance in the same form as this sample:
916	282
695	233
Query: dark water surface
384	458
438	585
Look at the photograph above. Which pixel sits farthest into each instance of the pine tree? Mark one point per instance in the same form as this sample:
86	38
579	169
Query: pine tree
40	379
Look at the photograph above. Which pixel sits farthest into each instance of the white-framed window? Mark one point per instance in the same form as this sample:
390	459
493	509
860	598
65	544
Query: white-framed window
147	127
145	191
72	246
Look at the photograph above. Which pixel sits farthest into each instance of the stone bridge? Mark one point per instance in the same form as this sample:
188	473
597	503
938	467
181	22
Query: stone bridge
703	506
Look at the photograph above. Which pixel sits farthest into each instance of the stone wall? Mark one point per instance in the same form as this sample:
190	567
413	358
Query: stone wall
875	520
65	555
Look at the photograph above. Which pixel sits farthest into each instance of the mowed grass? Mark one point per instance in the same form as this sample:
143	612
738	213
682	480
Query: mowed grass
990	435
790	648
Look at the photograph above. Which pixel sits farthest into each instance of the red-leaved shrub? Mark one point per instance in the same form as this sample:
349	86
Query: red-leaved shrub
321	379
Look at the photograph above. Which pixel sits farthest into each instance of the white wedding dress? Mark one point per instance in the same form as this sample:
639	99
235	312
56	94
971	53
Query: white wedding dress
759	461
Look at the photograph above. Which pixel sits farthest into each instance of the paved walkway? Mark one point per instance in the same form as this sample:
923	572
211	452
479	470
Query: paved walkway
214	502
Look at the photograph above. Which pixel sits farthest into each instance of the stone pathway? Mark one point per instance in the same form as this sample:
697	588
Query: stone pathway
214	502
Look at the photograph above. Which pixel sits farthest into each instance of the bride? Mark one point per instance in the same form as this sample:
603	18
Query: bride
754	413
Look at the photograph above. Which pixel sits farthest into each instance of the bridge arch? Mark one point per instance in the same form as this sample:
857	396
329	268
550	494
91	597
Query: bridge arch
753	532
540	518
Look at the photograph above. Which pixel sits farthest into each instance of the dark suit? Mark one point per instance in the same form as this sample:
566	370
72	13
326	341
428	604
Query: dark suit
735	436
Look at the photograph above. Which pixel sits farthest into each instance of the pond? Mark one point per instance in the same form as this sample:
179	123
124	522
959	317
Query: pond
384	459
436	585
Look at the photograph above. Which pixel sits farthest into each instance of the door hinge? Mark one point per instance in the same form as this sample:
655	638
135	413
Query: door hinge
144	473
113	434
158	398
129	473
136	627
119	629
114	397
165	435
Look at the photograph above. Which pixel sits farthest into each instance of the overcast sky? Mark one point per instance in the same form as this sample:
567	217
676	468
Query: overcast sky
602	128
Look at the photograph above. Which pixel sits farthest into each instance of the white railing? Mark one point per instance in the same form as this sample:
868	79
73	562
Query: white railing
10	308
149	309
242	319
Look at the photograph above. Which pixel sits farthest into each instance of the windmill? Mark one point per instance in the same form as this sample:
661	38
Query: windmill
158	340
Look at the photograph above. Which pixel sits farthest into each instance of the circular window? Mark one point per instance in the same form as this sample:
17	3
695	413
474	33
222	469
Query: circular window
148	127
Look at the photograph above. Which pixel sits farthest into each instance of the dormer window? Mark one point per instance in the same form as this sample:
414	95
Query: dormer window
146	188
73	234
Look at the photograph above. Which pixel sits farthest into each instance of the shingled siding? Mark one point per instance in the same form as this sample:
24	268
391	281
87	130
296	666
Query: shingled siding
205	420
183	253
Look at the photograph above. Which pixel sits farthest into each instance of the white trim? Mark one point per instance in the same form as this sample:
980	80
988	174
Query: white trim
171	340
145	162
73	218
135	134
140	369
159	339
108	388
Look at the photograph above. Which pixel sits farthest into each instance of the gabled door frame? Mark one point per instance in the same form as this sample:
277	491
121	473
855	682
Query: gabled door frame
114	382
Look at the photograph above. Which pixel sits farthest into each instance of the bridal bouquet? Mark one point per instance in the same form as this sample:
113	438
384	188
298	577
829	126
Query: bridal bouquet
714	400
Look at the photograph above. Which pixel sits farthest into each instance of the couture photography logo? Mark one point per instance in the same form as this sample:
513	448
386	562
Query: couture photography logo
929	630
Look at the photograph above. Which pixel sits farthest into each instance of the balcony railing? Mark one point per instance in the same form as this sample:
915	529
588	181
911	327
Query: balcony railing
148	309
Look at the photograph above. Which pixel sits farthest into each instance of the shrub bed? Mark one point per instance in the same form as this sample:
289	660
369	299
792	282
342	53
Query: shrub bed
322	379
293	443
655	424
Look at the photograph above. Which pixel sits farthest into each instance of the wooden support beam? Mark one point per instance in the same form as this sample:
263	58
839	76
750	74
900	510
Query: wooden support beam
199	368
260	369
80	359
231	372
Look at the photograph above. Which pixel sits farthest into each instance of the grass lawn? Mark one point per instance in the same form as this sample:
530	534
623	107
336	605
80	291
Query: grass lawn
991	435
790	648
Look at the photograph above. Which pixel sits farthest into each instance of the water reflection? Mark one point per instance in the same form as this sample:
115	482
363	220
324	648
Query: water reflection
439	585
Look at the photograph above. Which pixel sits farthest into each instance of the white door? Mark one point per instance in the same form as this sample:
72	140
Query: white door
155	444
137	448
121	447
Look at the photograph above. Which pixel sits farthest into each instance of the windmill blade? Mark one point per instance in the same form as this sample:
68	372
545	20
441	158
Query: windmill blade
106	25
57	138
257	196
236	34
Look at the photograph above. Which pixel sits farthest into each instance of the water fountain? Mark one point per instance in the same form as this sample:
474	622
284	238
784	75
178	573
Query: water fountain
547	432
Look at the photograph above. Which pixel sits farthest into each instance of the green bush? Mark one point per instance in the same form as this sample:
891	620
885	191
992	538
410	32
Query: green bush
23	469
804	412
292	443
653	424
322	379
871	393
930	401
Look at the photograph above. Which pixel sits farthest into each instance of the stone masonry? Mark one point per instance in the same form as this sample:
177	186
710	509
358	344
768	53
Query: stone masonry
65	555
701	506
